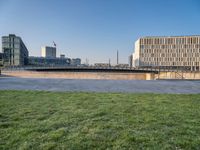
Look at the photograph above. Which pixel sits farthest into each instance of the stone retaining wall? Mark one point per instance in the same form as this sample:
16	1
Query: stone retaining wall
80	75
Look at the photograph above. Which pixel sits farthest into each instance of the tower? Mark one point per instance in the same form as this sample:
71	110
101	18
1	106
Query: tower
117	57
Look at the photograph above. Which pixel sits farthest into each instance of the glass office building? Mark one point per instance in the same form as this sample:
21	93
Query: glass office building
15	51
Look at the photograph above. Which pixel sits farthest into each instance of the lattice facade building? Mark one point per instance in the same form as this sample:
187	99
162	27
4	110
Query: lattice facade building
173	51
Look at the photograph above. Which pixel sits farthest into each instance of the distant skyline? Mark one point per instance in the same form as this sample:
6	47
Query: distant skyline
96	29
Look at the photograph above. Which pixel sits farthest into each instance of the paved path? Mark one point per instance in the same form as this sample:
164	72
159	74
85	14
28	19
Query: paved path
133	86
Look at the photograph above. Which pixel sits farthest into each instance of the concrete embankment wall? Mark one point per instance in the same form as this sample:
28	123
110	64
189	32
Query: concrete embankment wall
179	75
80	75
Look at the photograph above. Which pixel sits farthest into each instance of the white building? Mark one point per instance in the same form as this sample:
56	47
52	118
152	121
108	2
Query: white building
49	52
173	51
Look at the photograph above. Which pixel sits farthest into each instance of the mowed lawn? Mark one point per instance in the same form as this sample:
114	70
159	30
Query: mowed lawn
58	120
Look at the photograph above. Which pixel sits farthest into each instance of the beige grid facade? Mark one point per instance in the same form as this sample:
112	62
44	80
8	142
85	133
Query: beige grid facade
177	51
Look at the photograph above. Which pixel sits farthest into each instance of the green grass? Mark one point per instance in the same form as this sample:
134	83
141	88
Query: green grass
53	120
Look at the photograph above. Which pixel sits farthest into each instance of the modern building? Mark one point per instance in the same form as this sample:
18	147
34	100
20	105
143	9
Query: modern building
49	59
102	65
42	61
130	60
75	62
62	56
122	65
15	51
48	52
1	59
173	52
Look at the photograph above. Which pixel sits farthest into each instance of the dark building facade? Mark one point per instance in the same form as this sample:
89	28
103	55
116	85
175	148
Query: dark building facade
15	51
47	61
75	62
130	60
43	61
1	59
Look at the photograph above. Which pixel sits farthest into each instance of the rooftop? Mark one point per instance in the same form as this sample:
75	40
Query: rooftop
170	36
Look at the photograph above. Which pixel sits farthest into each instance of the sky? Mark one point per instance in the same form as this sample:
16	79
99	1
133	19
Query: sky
96	29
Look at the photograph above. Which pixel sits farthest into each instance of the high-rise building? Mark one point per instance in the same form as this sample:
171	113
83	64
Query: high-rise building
48	52
15	51
173	51
130	59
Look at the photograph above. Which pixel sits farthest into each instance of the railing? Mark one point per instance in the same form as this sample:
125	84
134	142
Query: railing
63	67
152	69
78	68
179	75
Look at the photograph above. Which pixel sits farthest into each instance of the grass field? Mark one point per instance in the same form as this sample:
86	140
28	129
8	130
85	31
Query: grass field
53	120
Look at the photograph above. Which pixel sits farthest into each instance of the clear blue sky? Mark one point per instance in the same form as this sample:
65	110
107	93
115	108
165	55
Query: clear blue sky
96	29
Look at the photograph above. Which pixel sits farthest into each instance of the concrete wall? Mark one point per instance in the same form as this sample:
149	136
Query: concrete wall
80	75
103	75
179	75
